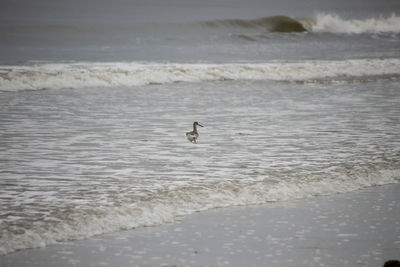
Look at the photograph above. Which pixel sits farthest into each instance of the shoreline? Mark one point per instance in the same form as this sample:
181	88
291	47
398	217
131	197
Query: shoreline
359	228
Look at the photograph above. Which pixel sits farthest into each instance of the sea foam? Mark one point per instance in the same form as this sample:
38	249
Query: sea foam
171	203
335	24
126	74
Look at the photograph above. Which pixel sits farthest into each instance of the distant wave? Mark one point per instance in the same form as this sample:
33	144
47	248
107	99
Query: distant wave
331	23
85	75
334	24
272	24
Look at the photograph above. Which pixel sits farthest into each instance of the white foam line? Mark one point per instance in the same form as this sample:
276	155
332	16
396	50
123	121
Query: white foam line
119	74
171	203
335	24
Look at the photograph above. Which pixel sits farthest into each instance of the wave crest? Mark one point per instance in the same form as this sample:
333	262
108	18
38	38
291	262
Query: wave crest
335	24
272	24
323	22
168	204
84	75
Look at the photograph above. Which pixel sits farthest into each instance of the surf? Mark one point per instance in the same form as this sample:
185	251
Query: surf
168	204
332	23
127	74
321	23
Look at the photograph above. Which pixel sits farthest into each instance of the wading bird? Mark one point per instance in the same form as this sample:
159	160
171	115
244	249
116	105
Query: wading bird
193	135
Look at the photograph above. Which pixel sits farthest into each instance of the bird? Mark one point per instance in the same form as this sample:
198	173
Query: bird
193	135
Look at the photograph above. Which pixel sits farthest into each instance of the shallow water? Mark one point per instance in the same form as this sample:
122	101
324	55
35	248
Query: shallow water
80	162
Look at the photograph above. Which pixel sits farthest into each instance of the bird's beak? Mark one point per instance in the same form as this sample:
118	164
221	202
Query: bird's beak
200	125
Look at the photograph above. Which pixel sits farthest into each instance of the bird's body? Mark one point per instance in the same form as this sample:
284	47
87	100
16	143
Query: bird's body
193	135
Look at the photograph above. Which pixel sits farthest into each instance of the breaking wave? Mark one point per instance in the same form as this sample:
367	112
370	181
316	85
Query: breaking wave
332	23
169	204
85	75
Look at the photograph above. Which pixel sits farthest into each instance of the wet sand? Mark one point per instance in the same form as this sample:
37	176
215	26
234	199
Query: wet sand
359	228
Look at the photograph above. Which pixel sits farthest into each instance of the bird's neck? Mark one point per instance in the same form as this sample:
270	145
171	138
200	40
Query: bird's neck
194	128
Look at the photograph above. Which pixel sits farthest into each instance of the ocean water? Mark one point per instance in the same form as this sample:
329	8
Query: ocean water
95	101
